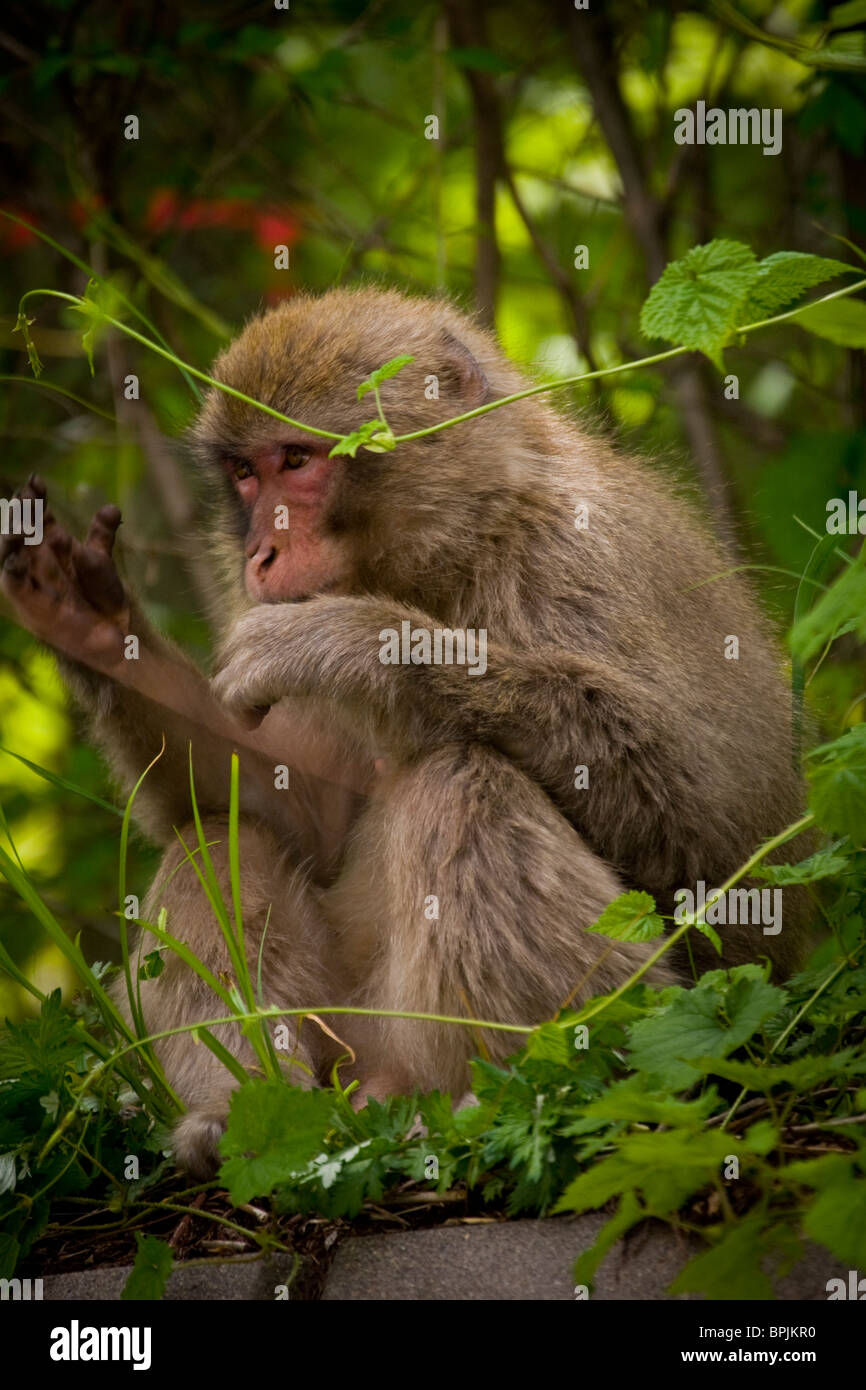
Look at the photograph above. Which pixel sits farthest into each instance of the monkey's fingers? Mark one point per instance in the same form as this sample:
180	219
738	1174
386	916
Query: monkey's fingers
103	529
33	490
14	563
98	580
34	487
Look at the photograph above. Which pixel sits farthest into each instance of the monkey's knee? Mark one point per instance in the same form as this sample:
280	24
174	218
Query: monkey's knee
177	885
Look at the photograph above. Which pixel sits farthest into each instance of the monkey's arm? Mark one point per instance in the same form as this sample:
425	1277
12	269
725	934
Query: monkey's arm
69	595
331	647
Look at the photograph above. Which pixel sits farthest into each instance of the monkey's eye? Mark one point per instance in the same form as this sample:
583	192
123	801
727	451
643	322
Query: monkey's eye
295	456
241	469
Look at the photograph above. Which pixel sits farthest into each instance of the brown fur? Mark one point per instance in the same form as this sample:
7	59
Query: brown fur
605	649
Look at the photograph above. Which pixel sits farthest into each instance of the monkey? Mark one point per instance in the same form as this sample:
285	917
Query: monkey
452	831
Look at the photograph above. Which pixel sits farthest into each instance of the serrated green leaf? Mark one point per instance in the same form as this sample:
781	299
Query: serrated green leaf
629	1100
802	1075
698	299
630	917
703	1022
731	1269
372	435
274	1131
837	1219
383	373
824	863
842	321
628	1214
552	1042
783	277
150	1271
666	1167
837	774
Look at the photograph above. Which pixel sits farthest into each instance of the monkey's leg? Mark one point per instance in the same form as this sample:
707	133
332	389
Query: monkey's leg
465	892
293	974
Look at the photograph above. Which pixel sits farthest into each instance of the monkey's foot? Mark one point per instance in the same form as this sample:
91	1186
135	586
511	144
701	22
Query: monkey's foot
196	1137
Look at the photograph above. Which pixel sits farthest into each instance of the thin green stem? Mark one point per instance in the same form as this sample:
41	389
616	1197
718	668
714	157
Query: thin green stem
89	308
60	391
622	367
85	306
695	918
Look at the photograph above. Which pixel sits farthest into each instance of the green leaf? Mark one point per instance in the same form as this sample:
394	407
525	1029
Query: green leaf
840	608
372	435
731	1269
837	1219
711	934
801	1075
822	864
710	1020
630	1100
383	373
22	326
838	784
274	1131
552	1042
842	16
151	966
783	277
698	299
628	1214
842	321
630	917
762	1138
10	1251
667	1167
150	1271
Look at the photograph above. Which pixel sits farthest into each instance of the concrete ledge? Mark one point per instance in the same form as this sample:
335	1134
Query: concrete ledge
513	1261
533	1260
230	1281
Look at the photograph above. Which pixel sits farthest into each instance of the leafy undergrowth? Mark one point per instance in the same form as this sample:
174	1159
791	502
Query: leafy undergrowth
734	1109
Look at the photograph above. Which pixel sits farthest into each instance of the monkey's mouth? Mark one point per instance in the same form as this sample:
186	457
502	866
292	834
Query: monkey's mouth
315	593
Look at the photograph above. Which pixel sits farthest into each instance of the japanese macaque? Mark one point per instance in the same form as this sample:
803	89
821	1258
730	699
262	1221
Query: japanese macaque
450	828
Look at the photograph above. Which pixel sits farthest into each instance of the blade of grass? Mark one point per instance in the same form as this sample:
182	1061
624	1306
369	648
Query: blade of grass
60	782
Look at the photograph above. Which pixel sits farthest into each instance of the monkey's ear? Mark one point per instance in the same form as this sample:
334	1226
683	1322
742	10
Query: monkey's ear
463	374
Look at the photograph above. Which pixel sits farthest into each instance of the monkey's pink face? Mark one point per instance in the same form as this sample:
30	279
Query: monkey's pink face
284	491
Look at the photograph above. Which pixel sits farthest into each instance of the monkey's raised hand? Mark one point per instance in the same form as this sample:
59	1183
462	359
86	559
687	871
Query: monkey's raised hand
67	592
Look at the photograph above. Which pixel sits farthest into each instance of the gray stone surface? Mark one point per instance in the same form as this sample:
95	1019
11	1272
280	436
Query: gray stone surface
232	1281
491	1261
515	1260
531	1260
